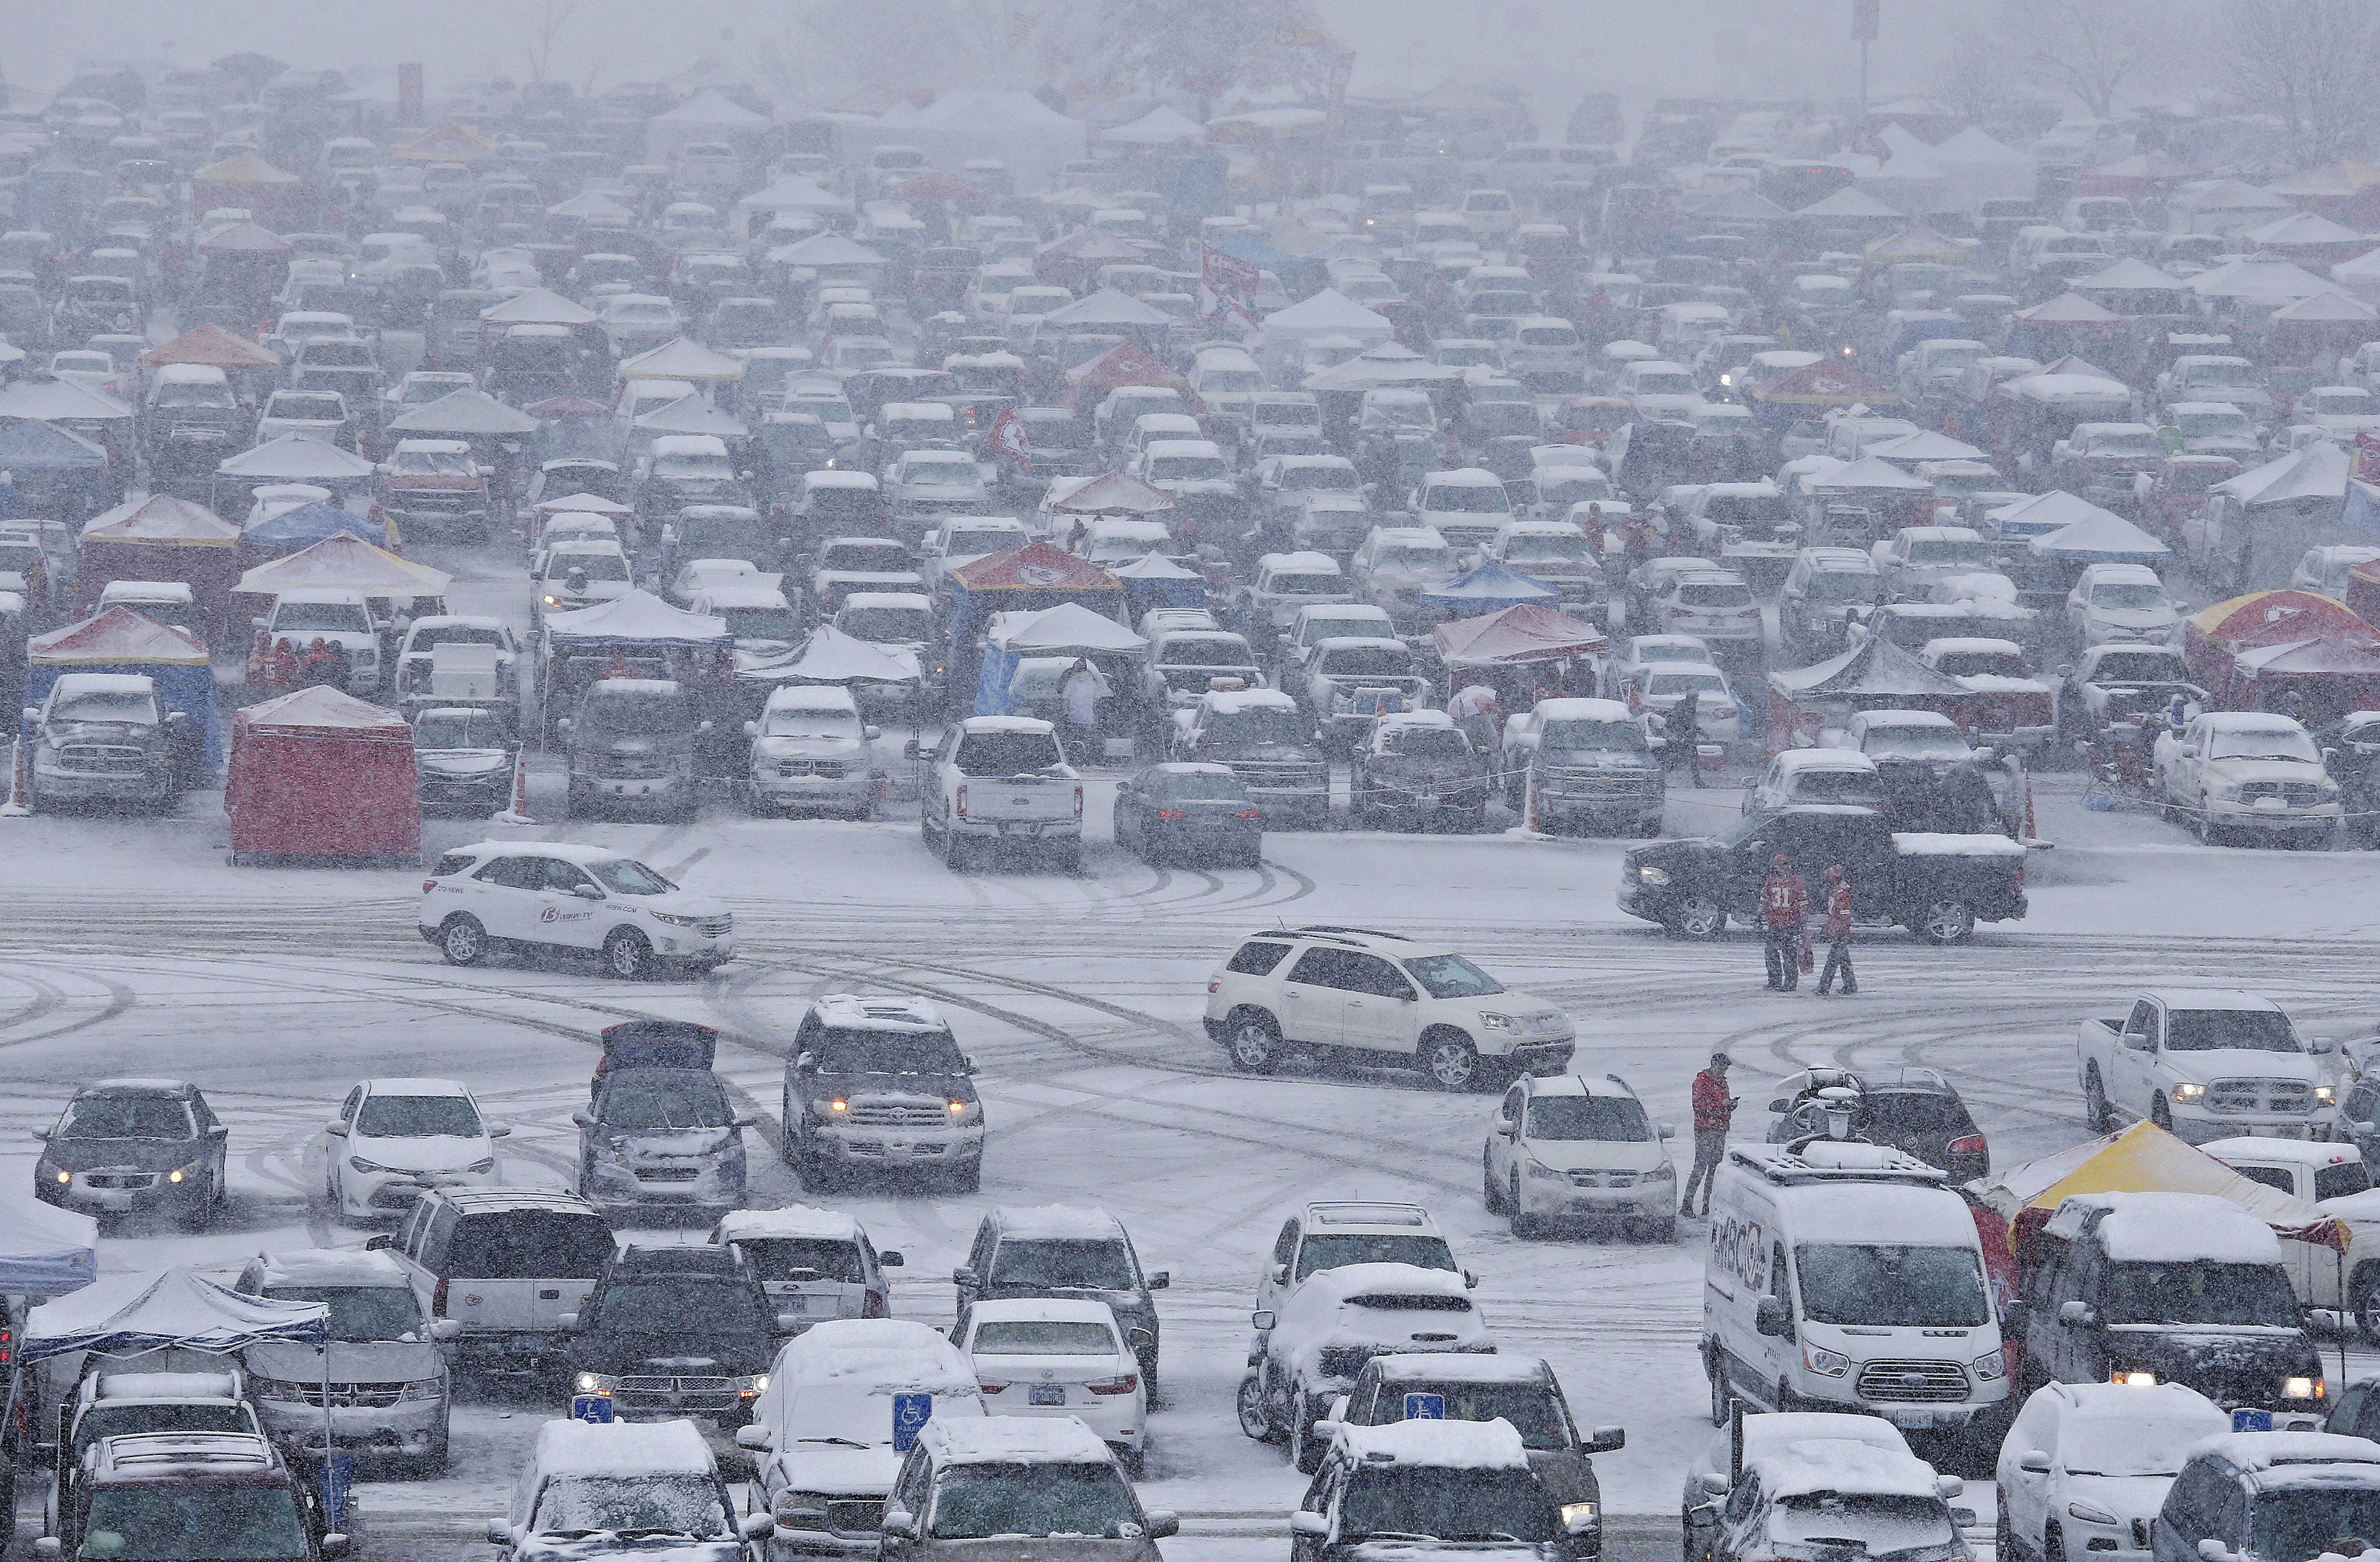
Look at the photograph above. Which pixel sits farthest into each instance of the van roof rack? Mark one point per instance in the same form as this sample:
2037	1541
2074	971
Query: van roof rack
1834	1161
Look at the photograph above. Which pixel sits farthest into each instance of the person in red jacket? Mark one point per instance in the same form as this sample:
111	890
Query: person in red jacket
1784	910
1839	933
1714	1109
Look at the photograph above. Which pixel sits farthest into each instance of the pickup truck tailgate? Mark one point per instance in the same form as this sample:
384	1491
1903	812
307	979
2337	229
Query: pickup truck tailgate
1018	801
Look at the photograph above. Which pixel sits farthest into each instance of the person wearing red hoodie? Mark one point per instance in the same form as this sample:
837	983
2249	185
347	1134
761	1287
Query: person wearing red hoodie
1839	934
1784	910
1714	1110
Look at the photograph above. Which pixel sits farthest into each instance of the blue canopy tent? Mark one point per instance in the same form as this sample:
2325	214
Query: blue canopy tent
56	471
1155	581
307	524
120	640
1067	630
1490	589
45	1250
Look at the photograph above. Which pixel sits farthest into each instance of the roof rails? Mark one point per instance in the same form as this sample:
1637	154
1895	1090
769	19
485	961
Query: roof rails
1357	932
1832	1161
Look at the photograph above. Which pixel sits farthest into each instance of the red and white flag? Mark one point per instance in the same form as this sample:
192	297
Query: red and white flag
1008	434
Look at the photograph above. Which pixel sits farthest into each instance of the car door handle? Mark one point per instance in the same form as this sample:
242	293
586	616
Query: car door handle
1354	1003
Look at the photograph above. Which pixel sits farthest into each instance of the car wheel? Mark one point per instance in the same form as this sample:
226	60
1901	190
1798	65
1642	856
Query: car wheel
1489	1193
1722	1401
2004	1545
1451	1062
1305	1450
200	1213
462	941
2159	1113
432	1466
2365	1297
1255	1045
2096	1111
627	956
1249	1403
1525	1227
1697	916
1666	1230
1947	921
1134	1461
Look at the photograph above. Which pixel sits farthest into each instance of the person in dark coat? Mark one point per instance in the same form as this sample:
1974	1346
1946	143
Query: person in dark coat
1685	730
1837	904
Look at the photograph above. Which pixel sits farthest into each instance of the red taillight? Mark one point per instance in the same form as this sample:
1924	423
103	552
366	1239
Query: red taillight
1972	1145
960	803
438	1299
1214	985
993	1387
1250	813
1078	803
1172	814
1681	611
429	884
1124	1385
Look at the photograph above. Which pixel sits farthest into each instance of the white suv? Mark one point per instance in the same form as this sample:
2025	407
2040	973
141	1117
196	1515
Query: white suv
1335	1233
395	1140
1379	1000
1560	1150
550	894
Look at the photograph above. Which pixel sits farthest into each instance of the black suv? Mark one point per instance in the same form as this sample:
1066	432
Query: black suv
1913	1110
675	1331
126	1146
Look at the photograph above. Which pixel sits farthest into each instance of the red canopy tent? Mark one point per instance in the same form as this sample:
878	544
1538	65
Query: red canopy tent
1525	633
162	537
213	345
1829	384
2246	652
2315	330
1123	365
317	773
2363	592
245	182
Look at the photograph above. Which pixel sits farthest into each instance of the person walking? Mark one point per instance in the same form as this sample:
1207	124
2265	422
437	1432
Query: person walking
1714	1109
1684	731
1784	910
1839	934
1080	690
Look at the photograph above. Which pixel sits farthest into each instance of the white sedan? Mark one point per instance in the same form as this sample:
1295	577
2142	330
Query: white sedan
395	1140
1056	1359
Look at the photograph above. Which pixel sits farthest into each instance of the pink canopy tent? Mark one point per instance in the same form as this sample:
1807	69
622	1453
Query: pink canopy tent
1526	633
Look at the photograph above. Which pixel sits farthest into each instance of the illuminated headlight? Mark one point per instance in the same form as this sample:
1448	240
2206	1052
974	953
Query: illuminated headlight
2188	1090
358	1162
2132	1379
964	1111
753	1384
594	1383
1825	1363
2301	1388
1648	875
58	1174
1991	1368
178	1173
552	600
1576	1513
1490	1021
1543	1173
2324	1094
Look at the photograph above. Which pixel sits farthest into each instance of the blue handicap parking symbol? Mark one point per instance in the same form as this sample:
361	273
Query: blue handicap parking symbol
910	1414
1425	1407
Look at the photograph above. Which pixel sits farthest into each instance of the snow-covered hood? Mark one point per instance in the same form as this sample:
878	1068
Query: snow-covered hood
1594	759
2266	770
2244	1062
426	1153
951	490
1598	1155
657	1548
351	1361
1202	486
1653	406
668	1144
462	761
134	1155
677	903
2134	617
831	1467
807	748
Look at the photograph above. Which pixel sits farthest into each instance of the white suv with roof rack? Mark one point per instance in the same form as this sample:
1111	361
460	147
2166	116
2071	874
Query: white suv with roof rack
1334	1233
1356	997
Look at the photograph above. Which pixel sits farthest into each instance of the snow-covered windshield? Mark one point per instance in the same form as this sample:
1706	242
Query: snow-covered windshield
1318	479
1452	976
106	1419
665	1098
1338	1250
1625	736
1201	651
1914	743
643	716
2298	1524
2136	444
672	1307
1399	415
1937	550
418	1116
1437	561
1064	1263
360	1311
1008	753
1425	742
1667	384
2198	1291
1020	1337
2129	595
1713	594
1892	1284
1857	1522
972	544
1418	1501
1455	498
182	394
839	725
803	1258
106	705
1365	661
1843	588
2215	1029
885	1052
575	1507
2266	744
322	618
1835	786
1588	1118
2202	425
125	1116
193	1523
1306	585
1969	664
2137	666
977	1501
434	463
1186	468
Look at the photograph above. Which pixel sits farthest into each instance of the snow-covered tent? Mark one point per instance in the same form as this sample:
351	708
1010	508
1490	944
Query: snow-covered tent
2103	538
679	359
2360	275
538	306
1155	581
1391	364
463	414
2257	279
215	346
2305	236
1870	473
44	1250
1490	588
1736	208
1975	168
640	618
833	656
1328	313
706	116
1925	445
1068	629
121	640
293	457
2223	206
2041	515
346	562
1015	128
793	193
1161	125
1103	310
127	1314
691	414
1526	632
160	538
61	401
833	256
302	526
1114	493
592	204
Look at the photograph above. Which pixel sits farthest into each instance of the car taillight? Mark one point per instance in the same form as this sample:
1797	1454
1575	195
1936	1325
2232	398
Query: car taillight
1214	985
1972	1145
960	803
1124	1385
1078	803
438	1299
992	1387
429	884
1250	813
1172	814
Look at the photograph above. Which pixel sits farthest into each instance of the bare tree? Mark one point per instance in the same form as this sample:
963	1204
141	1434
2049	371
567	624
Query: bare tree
2311	63
2093	49
1977	75
546	22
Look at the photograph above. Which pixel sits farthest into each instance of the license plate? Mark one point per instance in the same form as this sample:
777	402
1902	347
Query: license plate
1047	1393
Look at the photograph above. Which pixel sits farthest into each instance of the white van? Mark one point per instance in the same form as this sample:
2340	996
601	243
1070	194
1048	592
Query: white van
1846	1276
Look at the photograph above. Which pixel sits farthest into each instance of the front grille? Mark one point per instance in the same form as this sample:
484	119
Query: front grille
715	927
1594	782
352	1396
667	1174
120	1181
1467	536
457	501
684	1387
876	1147
1603	1179
1908	1383
891	1115
2295	794
824	770
2291	1096
101	759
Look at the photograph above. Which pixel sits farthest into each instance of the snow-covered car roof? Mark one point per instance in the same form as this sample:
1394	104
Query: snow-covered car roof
2250	721
1548	527
170	1386
1014	1440
1834	1464
2285	1454
1439	1366
889	599
793	1222
2167	1229
1794	759
2224	999
1157	447
1583	709
106	683
568	852
1408	536
408	1086
330	1266
1445	1444
1301	562
460	621
853	1011
2303	1152
1232	702
1406	721
1940	534
1962	645
1004	724
922	411
1056	1221
1462	477
622	1448
1639	644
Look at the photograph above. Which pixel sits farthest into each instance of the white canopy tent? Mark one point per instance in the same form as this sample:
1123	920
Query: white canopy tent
1035	141
707	116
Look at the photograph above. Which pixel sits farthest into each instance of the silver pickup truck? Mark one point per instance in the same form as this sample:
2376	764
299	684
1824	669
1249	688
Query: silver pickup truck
1000	781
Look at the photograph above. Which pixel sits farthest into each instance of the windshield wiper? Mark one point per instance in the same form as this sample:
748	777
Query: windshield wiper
837	1442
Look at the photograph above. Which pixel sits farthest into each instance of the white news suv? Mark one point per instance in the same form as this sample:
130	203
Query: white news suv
1353	997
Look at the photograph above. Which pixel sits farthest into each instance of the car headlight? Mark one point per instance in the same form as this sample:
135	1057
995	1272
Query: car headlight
753	1384
670	919
552	600
2090	1515
594	1383
1825	1363
358	1162
2324	1093
1576	1513
1491	1021
481	1167
1991	1368
965	1111
2131	1378
2188	1090
1543	1173
2301	1388
1648	875
424	1388
1662	1173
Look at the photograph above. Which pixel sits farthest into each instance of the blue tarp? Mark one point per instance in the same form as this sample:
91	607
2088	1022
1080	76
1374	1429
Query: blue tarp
125	1313
31	445
1490	589
310	523
991	687
1154	580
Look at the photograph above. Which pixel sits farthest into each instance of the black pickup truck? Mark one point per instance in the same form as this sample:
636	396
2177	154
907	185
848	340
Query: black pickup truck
1939	886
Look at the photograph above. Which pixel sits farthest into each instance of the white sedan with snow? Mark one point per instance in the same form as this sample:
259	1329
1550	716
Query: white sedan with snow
1057	1359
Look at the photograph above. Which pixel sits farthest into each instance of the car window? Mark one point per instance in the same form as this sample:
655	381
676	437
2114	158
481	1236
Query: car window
114	1117
514	873
1012	1337
1325	967
561	876
1256	958
1056	1263
2271	1177
419	1117
1588	1118
1376	976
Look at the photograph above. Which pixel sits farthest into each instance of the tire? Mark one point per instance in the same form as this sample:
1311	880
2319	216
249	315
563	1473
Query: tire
1068	859
1452	1063
1697	916
2096	1113
199	1213
2159	1113
2004	1541
1249	1404
1490	1194
2053	1543
627	957
431	1466
1305	1452
1255	1045
1947	921
1721	1399
1525	1227
1665	1230
462	941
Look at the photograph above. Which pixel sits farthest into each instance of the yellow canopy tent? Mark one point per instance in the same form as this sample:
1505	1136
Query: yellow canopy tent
2144	1158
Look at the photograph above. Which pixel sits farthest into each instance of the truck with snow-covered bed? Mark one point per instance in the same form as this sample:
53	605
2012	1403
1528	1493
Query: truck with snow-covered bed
996	781
2204	1064
1937	886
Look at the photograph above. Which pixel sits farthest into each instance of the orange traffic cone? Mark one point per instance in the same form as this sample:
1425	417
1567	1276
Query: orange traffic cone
517	813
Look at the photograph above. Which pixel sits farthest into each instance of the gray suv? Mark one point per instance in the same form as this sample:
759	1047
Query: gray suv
1063	1251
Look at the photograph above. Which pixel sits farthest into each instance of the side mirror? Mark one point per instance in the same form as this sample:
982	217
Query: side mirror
1715	1483
375	1244
586	892
176	718
566	1319
499	1131
900	1526
499	1532
1781	1104
1162	1522
2034	1463
41	1134
582	1119
1773	1318
1470	1281
871	732
1161	1280
333	1545
805	1061
1261	1319
2076	1315
1949	1485
751	729
964	1278
1505	1128
890	1261
757	1526
442	1329
1607	1440
1668	1130
753	1437
2323	1046
1313	1525
335	1127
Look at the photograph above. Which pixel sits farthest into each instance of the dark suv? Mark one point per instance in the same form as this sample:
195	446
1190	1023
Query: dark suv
878	1085
1914	1110
123	1146
1061	1250
675	1331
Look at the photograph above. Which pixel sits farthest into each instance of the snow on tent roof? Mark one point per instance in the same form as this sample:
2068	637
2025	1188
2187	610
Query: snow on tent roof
592	204
31	445
1037	566
712	108
345	562
314	523
793	193
622	1448
214	346
295	457
1492	583
1875	668
2168	1228
446	142
679	359
464	411
538	306
2257	278
2105	536
1069	627
42	396
1012	1440
583	504
116	637
320	707
690	414
162	519
1114	493
1827	384
1925	445
1848	202
333	1266
639	615
2262	617
125	1313
826	250
1916	242
1105	306
243	169
2301	227
2042	514
2066	309
1388	364
1868	472
2130	274
1154	567
245	238
1329	313
2229	195
566	406
45	1250
2318	471
1739	206
1446	1445
2364	265
1972	145
833	656
2332	306
1526	632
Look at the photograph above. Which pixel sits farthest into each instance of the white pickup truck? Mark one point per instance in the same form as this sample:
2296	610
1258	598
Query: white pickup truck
2206	1065
2334	1178
999	780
